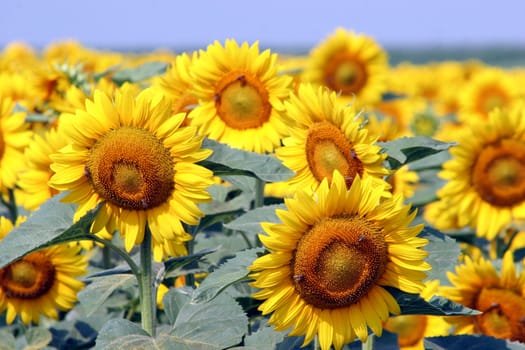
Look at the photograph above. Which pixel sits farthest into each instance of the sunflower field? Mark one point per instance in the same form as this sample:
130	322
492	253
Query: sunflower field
234	197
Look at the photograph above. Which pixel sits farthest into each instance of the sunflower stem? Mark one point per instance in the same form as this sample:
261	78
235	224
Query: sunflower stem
259	192
146	285
132	265
259	202
106	257
369	343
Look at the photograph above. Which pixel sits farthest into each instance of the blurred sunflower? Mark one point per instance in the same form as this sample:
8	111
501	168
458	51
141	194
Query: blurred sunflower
486	175
14	137
412	329
488	89
133	155
327	136
33	179
500	298
351	64
240	94
42	282
330	258
176	85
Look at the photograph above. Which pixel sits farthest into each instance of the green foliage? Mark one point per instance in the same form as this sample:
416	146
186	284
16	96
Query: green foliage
443	253
232	271
409	149
98	289
264	338
251	221
50	225
413	304
229	161
8	340
471	342
140	73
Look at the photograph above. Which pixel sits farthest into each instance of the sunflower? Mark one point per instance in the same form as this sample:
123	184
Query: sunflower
331	257
14	137
491	88
412	329
240	94
42	282
132	155
33	180
351	64
500	298
175	84
486	175
326	136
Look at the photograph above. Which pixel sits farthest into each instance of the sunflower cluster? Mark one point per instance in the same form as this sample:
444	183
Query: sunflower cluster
75	121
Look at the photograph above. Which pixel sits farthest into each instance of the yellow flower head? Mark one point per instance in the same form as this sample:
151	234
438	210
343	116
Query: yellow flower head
42	282
240	94
500	298
488	89
351	64
330	258
327	136
14	137
486	175
132	154
176	84
412	329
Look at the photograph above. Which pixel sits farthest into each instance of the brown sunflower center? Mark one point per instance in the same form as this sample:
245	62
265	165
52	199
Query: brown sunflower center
338	260
499	173
131	168
242	101
28	278
409	328
503	314
327	149
345	73
425	125
490	98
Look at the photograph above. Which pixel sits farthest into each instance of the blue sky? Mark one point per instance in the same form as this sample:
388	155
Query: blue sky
134	24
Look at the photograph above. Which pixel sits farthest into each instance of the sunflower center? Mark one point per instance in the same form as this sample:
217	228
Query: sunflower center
131	168
409	328
503	314
338	260
499	173
425	125
345	73
490	98
28	278
327	149
242	101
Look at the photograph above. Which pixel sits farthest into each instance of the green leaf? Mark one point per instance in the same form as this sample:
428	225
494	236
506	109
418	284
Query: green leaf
232	271
226	244
8	340
409	149
176	263
173	301
120	334
96	293
229	161
170	342
50	225
265	338
470	342
220	322
251	221
443	253
140	73
413	304
37	338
